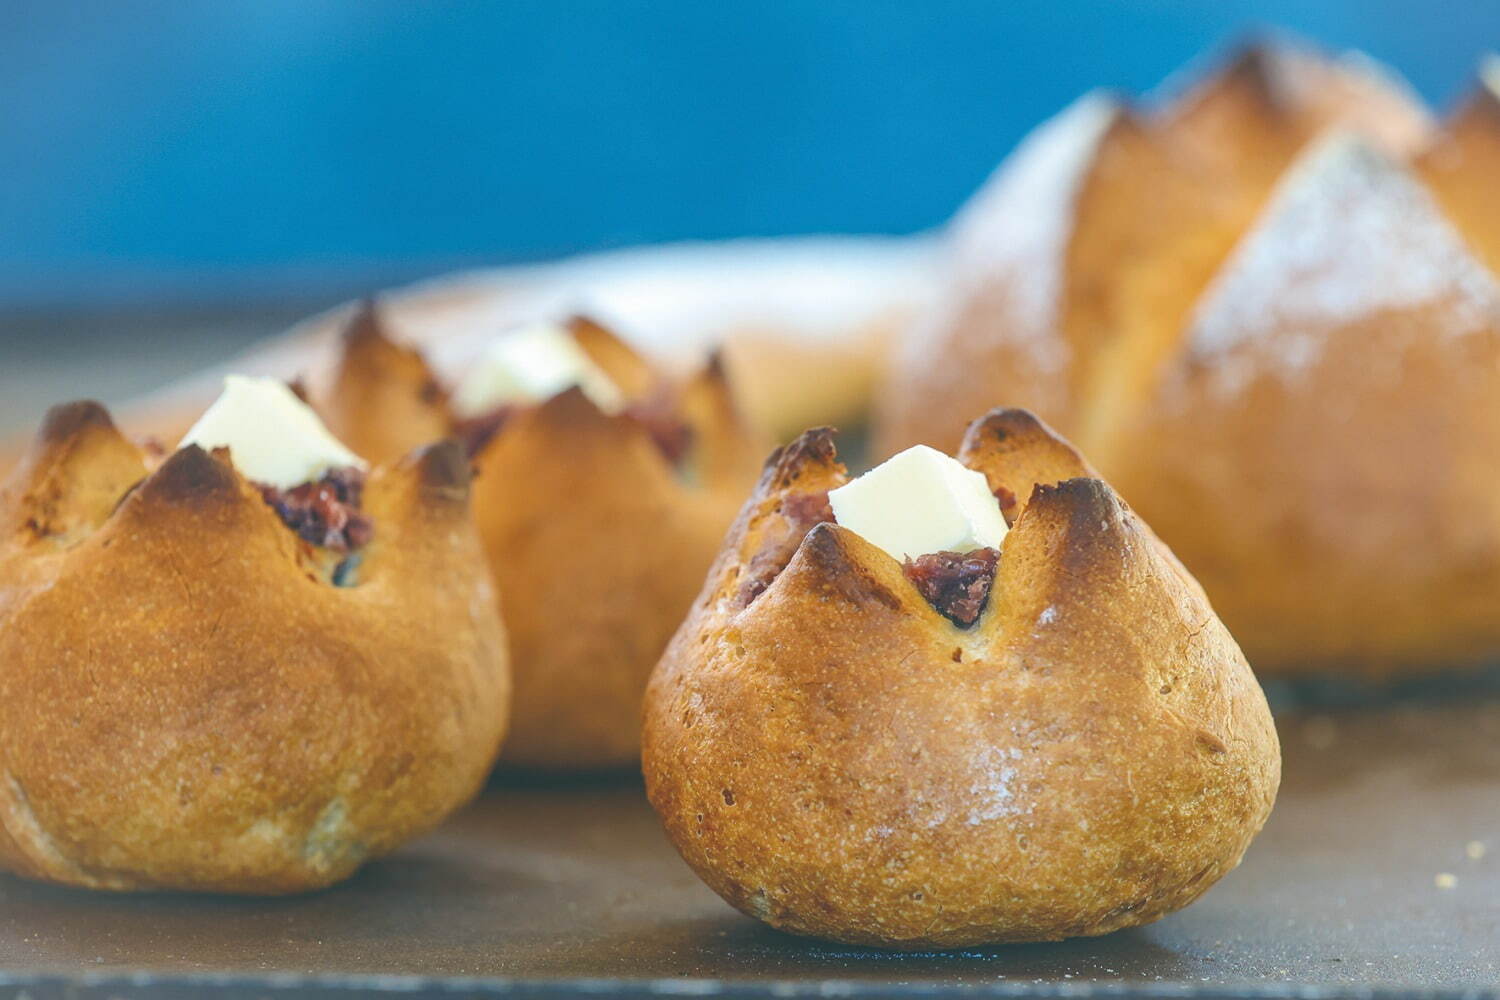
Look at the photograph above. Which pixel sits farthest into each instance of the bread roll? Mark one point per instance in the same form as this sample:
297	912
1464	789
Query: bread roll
189	703
835	757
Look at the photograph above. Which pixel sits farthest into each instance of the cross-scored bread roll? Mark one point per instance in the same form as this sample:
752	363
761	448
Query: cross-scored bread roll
189	702
834	756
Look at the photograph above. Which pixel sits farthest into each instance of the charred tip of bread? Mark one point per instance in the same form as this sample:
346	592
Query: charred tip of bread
1087	502
571	409
364	325
729	448
380	397
77	469
713	366
1254	64
1015	449
571	416
191	475
813	449
1082	519
845	565
68	421
1129	121
299	388
443	468
1264	63
567	426
710	388
711	382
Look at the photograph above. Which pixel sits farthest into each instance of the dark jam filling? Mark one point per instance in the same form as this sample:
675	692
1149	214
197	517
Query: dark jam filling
325	512
669	432
956	584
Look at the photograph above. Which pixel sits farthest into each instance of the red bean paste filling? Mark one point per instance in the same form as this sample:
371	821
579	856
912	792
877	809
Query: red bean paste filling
956	584
669	432
325	512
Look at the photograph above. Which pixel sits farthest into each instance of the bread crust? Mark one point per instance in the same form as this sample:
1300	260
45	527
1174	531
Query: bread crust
597	544
839	760
1310	429
187	704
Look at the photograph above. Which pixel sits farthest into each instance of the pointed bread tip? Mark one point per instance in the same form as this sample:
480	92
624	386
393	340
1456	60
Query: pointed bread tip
813	448
840	559
444	466
67	420
1085	518
1006	425
191	474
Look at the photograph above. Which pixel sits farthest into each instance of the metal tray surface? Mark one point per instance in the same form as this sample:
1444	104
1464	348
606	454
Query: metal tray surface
1379	873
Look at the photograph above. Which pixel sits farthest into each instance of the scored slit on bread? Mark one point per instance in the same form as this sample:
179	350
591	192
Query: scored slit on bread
189	704
839	759
1090	289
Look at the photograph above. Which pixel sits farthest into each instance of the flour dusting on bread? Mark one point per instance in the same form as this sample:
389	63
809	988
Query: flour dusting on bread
1024	213
1348	234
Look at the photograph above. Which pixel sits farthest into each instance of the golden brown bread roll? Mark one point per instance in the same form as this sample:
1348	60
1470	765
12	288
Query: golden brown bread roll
188	701
1305	420
597	540
838	759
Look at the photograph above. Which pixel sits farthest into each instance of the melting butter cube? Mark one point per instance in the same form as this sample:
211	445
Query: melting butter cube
918	502
273	437
531	365
1489	72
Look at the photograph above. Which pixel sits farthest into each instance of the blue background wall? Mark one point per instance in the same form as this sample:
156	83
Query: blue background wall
170	149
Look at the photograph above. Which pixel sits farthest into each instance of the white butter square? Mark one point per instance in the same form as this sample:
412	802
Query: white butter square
531	365
273	437
919	502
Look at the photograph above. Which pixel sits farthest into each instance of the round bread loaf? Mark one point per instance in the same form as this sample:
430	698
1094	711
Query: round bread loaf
188	702
837	758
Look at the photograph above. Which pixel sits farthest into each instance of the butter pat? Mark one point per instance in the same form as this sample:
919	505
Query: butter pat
1489	73
918	502
531	365
273	437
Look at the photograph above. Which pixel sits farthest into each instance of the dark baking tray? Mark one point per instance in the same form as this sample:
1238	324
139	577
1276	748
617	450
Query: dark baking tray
1379	873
